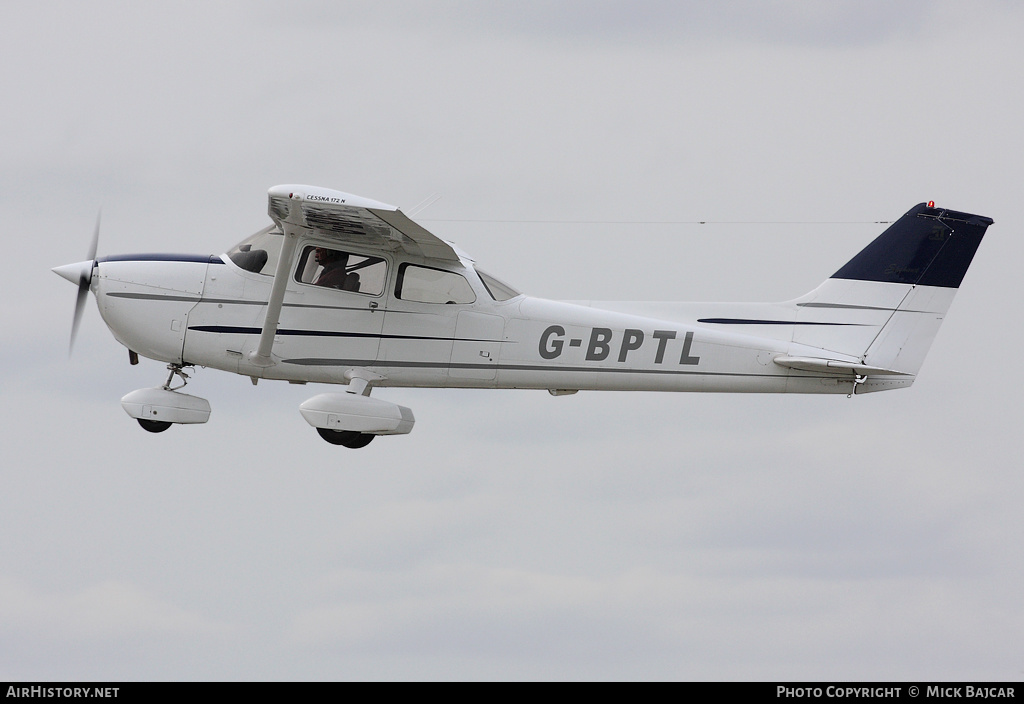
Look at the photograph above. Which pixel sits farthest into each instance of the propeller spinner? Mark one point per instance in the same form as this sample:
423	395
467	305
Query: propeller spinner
81	274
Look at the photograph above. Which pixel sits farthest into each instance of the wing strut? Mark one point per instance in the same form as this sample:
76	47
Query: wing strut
261	356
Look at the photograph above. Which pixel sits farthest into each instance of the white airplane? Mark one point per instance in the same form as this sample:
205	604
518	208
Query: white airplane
341	289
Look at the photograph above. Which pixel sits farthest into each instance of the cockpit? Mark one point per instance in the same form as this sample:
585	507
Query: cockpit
329	267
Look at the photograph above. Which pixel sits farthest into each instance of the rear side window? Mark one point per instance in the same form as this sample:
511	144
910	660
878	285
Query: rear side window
426	285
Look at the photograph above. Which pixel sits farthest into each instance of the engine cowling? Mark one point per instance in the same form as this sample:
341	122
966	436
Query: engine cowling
356	413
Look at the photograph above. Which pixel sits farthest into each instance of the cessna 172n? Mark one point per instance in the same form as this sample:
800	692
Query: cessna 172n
341	289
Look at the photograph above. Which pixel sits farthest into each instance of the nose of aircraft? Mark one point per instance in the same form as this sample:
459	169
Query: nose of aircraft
75	273
81	274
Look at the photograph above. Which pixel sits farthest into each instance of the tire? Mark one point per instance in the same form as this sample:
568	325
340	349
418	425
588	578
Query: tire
154	426
346	438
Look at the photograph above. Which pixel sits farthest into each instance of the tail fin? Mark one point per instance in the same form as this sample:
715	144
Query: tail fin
883	308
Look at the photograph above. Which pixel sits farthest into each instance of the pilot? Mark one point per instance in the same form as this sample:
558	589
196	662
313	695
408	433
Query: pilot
333	263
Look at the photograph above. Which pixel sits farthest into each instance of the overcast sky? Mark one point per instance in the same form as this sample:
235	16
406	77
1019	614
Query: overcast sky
513	534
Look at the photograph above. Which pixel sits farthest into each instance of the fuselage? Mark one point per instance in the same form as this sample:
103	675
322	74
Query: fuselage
209	311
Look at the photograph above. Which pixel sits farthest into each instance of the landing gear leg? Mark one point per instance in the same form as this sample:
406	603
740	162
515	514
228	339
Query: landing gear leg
173	369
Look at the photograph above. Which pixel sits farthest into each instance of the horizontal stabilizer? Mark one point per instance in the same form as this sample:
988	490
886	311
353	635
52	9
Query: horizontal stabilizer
835	366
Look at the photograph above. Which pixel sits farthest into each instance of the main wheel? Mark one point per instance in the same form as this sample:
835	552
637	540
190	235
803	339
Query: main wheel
154	426
347	438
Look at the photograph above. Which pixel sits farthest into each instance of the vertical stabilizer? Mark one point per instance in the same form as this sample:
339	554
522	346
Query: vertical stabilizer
885	305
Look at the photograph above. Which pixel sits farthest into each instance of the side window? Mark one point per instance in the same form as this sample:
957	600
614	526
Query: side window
333	268
426	285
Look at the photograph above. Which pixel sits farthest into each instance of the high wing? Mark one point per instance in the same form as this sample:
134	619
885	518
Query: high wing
346	219
352	219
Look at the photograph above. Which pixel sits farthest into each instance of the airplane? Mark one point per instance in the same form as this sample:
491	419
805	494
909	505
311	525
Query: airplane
341	289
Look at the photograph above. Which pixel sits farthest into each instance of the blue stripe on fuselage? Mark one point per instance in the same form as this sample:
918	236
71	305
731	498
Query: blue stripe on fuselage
162	257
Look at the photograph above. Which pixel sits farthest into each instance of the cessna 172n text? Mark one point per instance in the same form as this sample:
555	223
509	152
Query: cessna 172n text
341	289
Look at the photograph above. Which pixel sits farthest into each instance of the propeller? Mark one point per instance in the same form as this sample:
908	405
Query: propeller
81	274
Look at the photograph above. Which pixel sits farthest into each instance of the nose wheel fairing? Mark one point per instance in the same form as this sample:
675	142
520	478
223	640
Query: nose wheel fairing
166	406
158	408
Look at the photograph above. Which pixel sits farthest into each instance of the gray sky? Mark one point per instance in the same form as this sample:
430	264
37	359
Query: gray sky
512	534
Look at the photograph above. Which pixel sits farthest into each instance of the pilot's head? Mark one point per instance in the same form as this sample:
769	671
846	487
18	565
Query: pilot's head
326	256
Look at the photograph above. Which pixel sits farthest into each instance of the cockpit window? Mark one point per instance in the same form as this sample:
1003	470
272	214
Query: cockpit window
334	268
426	285
499	290
259	253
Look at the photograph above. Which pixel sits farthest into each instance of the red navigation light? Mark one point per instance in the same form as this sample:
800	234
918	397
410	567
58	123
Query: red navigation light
931	204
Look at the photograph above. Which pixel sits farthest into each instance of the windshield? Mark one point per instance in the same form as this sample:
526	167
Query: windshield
260	252
499	290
